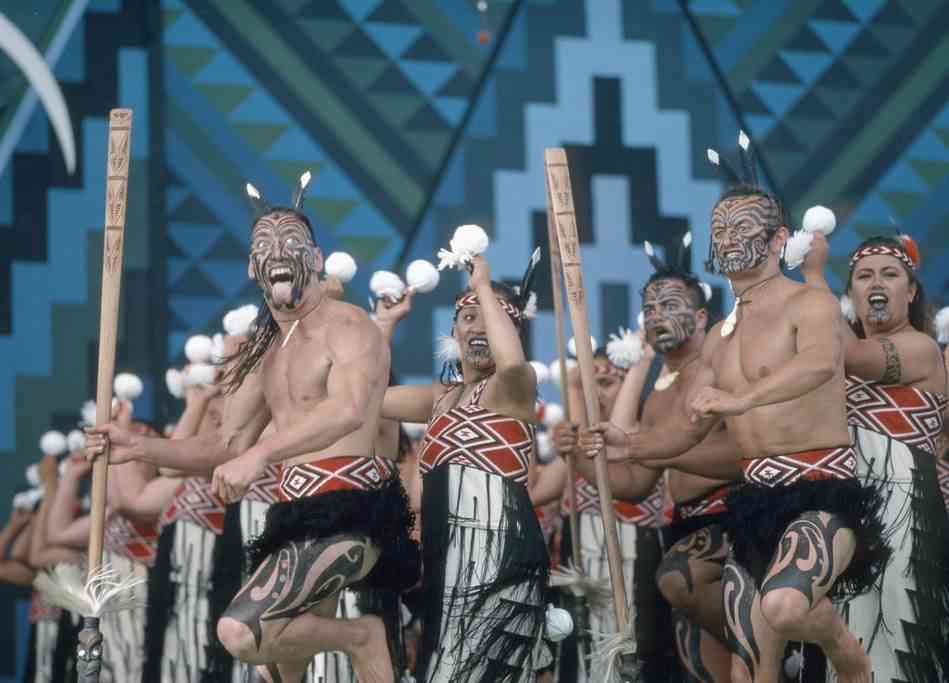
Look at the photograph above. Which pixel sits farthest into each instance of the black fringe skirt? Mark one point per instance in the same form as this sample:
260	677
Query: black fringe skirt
486	573
758	516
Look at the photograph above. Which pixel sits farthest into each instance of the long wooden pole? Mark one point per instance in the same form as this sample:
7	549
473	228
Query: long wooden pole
116	191
558	179
556	277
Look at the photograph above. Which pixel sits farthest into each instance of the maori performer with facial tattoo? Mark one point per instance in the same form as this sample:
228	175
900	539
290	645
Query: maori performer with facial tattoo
318	368
486	564
896	399
803	529
675	318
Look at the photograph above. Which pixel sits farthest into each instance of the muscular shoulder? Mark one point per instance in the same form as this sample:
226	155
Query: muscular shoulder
813	304
352	332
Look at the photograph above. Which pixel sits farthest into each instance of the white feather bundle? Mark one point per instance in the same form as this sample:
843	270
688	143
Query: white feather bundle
252	191
384	284
608	651
796	248
541	371
199	373
530	308
597	591
127	386
553	414
625	349
217	348
88	413
447	349
942	325
414	430
33	475
198	349
647	246
847	309
175	381
819	219
467	242
340	265
239	321
706	290
555	369
422	276
53	443
558	624
104	592
545	447
572	345
76	440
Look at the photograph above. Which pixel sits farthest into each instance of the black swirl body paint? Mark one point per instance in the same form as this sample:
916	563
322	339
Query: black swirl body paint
704	545
688	637
741	230
738	593
805	558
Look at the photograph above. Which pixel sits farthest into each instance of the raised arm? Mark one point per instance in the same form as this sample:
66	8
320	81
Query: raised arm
14	570
42	553
63	526
197	399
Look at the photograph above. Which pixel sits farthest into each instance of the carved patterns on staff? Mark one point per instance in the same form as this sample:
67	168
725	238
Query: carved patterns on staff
119	152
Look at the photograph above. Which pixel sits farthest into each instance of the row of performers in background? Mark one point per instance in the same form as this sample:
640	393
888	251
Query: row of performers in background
776	488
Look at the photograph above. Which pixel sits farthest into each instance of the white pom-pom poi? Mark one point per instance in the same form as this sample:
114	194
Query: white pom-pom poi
558	624
239	321
545	447
127	386
797	247
467	242
89	413
572	345
53	443
175	381
340	265
199	373
447	349
942	325
847	309
414	430
217	348
33	475
76	440
794	664
541	371
384	284
625	349
198	349
819	219
555	369
553	414
422	276
23	501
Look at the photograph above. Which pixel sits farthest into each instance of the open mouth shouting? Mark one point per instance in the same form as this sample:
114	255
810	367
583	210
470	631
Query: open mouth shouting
879	307
280	278
478	349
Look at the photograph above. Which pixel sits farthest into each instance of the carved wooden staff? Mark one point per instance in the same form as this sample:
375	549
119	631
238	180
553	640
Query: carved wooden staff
561	197
116	191
556	276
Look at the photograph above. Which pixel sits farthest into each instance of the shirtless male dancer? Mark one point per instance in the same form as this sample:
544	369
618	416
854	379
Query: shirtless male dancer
317	368
802	528
675	319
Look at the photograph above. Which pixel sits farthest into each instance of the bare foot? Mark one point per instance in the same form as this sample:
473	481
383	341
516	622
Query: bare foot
848	658
371	658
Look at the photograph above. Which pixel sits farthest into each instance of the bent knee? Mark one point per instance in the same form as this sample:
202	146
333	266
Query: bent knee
238	639
740	672
674	587
784	608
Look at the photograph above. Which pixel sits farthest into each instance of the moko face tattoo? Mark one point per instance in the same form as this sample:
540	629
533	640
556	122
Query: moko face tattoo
741	229
669	315
282	258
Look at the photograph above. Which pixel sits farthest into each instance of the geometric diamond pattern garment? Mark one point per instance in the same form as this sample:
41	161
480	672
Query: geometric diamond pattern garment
476	437
903	413
330	474
784	470
711	503
138	541
195	503
643	513
266	489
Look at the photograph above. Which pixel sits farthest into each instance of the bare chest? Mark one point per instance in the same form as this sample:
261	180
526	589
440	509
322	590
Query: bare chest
295	377
762	342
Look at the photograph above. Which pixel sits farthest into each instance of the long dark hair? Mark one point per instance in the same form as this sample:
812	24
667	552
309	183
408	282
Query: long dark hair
920	312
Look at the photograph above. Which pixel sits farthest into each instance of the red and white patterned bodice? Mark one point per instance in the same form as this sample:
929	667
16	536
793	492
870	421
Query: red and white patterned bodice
643	513
194	502
477	437
137	541
267	488
903	413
